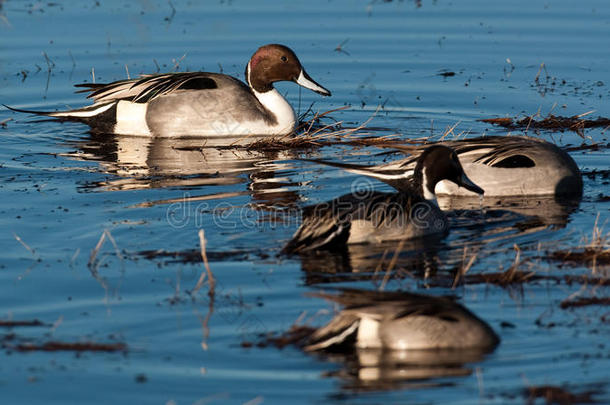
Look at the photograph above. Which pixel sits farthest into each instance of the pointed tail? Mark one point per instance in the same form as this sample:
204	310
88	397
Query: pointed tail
389	175
79	114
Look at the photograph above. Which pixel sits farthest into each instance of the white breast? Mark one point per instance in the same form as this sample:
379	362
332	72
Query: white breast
131	118
368	333
286	118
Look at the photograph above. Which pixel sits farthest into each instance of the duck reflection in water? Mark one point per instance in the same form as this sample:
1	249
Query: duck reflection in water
387	339
542	211
420	258
144	163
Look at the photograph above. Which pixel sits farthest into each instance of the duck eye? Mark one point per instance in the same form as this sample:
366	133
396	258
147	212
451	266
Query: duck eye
284	59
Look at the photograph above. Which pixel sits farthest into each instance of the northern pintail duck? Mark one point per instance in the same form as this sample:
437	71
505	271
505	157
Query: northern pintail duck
401	321
502	165
198	103
374	217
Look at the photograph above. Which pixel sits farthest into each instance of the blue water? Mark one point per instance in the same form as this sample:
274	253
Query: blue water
61	188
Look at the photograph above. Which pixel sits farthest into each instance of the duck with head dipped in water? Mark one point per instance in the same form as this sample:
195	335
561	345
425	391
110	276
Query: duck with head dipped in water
384	339
375	217
396	320
197	103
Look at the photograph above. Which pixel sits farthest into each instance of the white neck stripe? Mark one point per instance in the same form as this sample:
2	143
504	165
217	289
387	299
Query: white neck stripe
428	195
275	103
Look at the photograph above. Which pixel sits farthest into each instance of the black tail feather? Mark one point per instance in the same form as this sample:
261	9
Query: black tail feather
44	113
89	87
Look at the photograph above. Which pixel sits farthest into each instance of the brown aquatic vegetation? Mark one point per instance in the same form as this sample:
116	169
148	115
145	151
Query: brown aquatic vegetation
552	122
584	279
296	335
557	395
54	346
585	301
193	256
593	252
584	146
314	133
446	73
516	277
505	278
210	275
93	263
13	341
11	324
511	276
587	256
463	269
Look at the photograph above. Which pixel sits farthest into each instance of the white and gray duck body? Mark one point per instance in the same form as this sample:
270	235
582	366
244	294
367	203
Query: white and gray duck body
502	165
374	217
198	104
400	321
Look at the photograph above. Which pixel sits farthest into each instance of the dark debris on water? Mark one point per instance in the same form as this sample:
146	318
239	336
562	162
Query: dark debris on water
14	342
12	324
588	255
54	346
507	278
296	336
194	255
584	301
557	395
552	122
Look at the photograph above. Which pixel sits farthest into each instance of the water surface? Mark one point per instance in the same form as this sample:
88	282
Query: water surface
62	188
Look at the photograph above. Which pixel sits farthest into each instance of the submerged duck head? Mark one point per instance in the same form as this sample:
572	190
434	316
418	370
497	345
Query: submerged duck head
438	163
274	63
397	320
